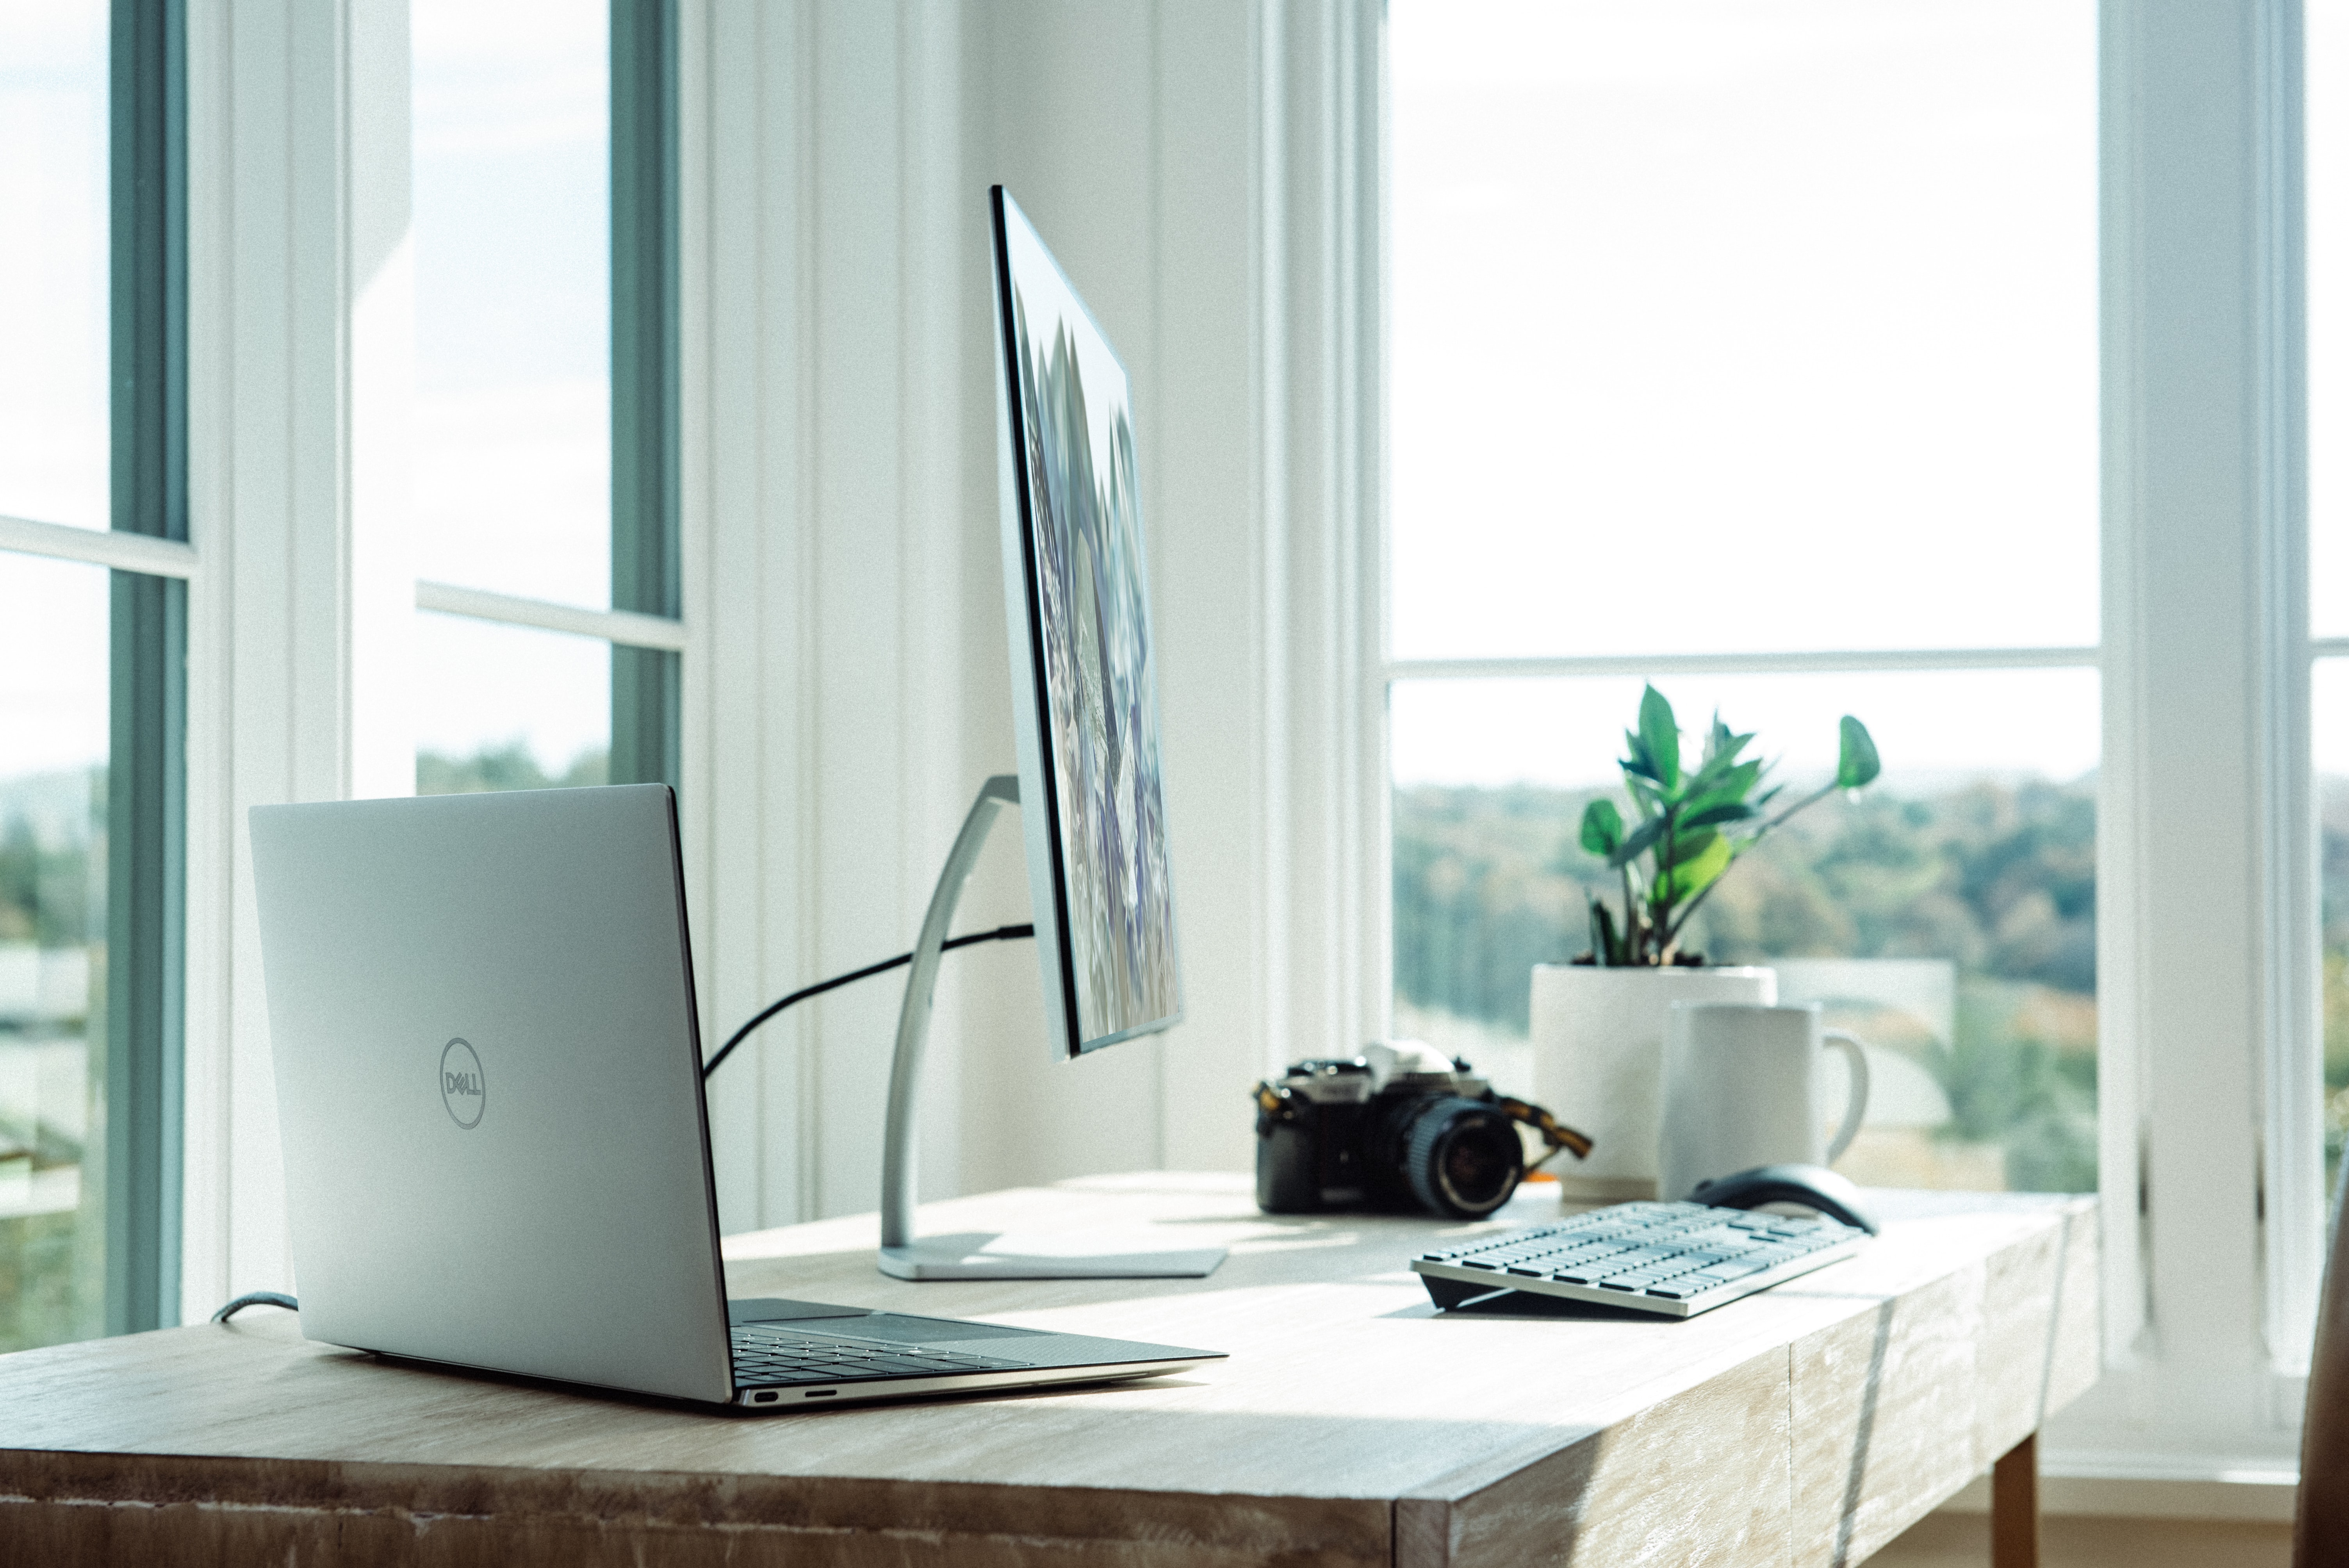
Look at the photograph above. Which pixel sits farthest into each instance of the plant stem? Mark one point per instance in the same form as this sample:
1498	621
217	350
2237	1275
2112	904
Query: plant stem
1804	804
1630	918
1662	911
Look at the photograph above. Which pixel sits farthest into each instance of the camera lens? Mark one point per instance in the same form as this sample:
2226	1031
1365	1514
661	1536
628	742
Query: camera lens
1463	1158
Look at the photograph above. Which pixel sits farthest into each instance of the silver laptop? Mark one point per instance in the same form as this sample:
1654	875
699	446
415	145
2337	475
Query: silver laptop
489	1087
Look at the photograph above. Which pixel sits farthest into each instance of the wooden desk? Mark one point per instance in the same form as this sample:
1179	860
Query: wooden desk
1805	1425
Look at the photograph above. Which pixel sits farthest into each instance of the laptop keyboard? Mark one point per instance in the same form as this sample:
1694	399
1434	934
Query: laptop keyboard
1676	1259
766	1357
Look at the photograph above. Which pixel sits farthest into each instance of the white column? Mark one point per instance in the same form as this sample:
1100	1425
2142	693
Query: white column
298	310
2205	902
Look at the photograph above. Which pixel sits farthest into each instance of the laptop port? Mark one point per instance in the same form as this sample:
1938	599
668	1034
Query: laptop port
819	1393
768	1398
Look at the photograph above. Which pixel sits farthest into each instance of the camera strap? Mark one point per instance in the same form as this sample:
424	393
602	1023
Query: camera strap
1554	1132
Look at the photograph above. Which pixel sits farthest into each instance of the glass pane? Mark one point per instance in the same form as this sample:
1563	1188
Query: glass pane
1722	324
2331	741
1948	915
508	707
513	443
53	288
53	651
2327	33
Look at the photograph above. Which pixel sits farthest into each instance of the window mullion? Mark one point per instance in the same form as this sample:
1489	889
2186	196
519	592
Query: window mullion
646	700
147	774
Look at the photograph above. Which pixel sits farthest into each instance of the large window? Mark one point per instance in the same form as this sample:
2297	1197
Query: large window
92	485
1751	348
546	646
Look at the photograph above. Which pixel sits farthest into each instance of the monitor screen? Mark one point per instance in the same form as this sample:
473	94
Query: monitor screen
1084	690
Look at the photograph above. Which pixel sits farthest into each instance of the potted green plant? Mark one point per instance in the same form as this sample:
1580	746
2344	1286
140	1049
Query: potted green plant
1598	1021
1693	825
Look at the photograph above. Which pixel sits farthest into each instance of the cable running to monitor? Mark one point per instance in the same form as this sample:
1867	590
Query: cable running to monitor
1000	933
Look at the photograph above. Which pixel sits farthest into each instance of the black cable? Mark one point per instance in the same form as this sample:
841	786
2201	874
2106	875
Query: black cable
1000	933
258	1298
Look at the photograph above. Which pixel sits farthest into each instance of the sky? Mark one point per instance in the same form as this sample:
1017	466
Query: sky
52	265
513	225
1761	325
1727	326
513	453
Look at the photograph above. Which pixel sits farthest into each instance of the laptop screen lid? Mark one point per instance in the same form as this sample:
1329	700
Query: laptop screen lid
489	1083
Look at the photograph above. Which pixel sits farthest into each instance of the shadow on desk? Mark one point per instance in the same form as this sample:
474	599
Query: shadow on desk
1526	1305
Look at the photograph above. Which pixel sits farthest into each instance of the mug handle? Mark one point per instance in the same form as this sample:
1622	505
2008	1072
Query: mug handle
1853	1047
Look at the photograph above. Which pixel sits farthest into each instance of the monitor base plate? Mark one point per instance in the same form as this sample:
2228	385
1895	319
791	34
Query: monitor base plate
1047	1255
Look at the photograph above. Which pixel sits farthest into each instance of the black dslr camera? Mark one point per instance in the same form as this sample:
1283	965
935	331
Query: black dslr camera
1399	1128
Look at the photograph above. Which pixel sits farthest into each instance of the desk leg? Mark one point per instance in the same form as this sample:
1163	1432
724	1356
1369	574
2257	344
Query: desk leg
2015	1507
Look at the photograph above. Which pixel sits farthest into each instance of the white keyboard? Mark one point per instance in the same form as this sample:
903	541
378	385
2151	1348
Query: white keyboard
1672	1259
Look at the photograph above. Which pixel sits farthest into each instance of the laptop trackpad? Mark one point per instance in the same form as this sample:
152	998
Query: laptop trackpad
772	1309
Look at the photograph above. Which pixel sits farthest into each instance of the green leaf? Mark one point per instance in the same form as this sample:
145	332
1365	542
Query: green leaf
1602	826
1732	784
1720	752
1693	876
1687	846
1659	736
1713	816
1639	764
1643	836
1723	744
1858	764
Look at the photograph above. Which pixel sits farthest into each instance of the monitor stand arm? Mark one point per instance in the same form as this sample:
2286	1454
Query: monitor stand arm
976	1256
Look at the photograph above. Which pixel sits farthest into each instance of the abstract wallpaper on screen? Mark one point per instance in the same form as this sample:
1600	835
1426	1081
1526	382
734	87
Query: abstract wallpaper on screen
1099	684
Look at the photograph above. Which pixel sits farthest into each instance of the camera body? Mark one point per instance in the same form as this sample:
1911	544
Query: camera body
1401	1127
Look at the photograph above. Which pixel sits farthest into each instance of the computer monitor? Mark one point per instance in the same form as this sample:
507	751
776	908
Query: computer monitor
1092	803
1083	683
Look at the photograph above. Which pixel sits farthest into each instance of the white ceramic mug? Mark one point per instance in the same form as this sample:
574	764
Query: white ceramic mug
1742	1090
1598	1061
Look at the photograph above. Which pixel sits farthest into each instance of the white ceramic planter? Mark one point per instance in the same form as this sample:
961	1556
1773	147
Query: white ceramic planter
1598	1061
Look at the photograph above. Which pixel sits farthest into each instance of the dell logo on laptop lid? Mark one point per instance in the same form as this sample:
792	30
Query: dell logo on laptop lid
460	1083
